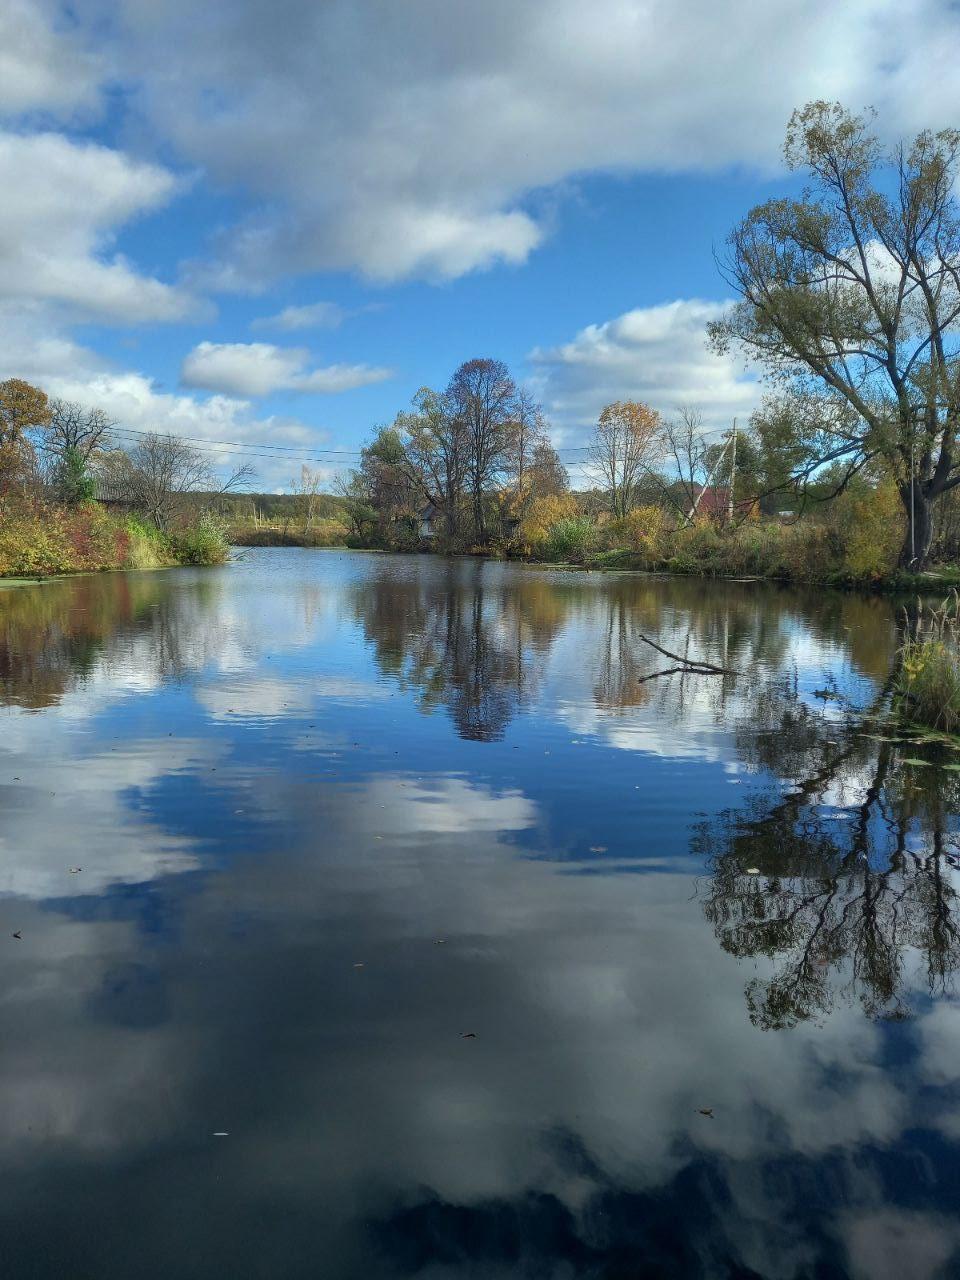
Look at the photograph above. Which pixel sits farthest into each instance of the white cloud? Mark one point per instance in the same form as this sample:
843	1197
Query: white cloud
414	140
32	347
257	368
42	67
655	354
317	315
62	202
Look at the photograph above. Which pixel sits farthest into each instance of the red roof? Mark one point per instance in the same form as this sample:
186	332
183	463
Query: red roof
714	501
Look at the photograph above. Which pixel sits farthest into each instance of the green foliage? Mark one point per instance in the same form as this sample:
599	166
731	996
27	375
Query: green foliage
41	539
147	547
322	533
202	543
73	483
569	539
928	683
38	539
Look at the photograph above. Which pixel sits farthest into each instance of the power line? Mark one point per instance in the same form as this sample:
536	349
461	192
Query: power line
296	453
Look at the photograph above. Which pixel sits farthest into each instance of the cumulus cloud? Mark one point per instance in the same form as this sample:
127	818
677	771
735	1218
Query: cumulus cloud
412	140
257	368
655	354
32	347
62	203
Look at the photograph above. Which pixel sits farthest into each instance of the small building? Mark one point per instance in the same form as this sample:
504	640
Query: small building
110	492
714	503
429	520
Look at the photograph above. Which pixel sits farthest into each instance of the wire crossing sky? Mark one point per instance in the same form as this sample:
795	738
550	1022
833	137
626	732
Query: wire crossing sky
265	226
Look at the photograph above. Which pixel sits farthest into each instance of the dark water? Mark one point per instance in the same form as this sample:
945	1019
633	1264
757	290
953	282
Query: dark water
396	875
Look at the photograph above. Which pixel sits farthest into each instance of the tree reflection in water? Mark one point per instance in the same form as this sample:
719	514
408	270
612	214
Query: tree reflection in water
464	639
843	883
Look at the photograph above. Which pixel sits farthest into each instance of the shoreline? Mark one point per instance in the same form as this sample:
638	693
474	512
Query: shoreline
930	581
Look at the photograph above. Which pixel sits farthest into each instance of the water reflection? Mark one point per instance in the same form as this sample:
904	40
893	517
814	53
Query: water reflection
842	882
335	812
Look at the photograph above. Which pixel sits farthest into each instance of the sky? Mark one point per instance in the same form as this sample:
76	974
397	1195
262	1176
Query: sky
266	223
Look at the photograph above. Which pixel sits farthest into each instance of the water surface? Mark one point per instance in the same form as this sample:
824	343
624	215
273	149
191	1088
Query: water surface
379	919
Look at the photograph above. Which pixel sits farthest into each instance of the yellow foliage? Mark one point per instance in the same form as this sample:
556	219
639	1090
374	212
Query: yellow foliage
641	530
872	528
543	514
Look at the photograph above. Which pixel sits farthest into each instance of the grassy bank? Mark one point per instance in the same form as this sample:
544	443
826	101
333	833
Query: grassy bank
320	533
853	543
39	539
928	680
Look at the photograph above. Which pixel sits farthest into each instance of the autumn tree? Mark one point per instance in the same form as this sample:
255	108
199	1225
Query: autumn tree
547	476
627	442
482	398
850	301
23	408
436	447
685	450
526	432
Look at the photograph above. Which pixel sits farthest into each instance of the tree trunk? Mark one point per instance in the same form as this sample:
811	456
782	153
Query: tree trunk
919	527
478	518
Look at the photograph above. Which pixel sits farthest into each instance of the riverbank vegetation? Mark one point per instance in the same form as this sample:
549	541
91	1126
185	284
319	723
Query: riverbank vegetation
928	679
72	500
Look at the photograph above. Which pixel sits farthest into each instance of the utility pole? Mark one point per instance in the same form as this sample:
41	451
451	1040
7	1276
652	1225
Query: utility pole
733	473
716	467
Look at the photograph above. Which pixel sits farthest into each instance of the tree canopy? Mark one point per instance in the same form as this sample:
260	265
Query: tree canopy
850	301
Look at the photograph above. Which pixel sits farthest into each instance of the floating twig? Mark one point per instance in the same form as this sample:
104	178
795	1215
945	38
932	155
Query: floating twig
698	666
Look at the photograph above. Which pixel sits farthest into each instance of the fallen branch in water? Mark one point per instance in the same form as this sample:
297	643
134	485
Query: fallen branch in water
697	667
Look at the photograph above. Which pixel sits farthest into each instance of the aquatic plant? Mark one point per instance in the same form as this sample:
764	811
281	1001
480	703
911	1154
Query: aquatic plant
929	677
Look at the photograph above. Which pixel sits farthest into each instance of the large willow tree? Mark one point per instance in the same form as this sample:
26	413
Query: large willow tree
850	300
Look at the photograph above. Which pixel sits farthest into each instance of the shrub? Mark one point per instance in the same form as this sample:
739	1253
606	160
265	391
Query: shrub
870	530
147	547
541	516
38	539
642	530
202	543
569	539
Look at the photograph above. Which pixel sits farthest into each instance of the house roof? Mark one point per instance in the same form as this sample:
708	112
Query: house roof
714	501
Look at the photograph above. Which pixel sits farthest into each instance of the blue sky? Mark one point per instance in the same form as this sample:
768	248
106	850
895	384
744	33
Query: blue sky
270	223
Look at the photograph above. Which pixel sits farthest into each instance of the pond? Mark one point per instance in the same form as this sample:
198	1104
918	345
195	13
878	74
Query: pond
373	916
